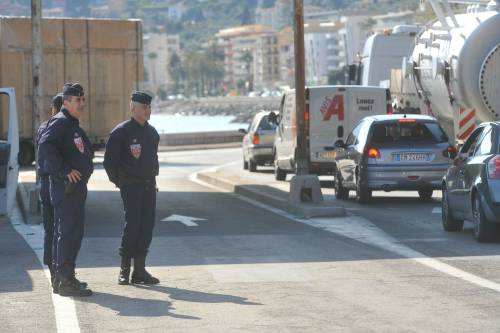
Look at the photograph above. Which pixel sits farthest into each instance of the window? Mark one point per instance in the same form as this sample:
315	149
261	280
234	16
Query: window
470	144
485	144
265	125
352	139
395	131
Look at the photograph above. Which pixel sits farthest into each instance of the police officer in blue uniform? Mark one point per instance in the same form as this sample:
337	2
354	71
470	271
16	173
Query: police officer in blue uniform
131	162
67	157
47	208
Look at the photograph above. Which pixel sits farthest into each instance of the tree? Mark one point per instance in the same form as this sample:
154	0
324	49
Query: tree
246	17
177	73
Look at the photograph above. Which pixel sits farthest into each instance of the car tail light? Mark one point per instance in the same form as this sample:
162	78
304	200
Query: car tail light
407	120
373	153
494	167
256	139
450	152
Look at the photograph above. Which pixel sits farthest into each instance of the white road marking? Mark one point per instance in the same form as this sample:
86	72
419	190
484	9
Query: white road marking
436	210
186	220
64	307
362	230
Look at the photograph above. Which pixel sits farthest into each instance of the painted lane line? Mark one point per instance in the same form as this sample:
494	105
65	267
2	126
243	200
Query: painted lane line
362	230
436	210
64	307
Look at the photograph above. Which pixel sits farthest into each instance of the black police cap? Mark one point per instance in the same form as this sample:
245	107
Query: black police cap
141	97
57	101
73	89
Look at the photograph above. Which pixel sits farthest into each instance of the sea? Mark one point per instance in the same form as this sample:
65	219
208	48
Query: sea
167	124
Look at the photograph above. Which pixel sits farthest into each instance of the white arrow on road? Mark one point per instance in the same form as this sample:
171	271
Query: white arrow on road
186	220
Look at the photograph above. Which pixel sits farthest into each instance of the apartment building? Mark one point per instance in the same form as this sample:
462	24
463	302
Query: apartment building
239	45
266	66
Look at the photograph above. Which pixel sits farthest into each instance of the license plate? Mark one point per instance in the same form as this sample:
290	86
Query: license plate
409	157
328	155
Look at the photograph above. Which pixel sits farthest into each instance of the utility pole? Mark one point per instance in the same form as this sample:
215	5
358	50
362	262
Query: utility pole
300	92
303	187
37	58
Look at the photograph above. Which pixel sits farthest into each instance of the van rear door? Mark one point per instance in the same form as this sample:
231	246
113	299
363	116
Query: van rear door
364	102
326	121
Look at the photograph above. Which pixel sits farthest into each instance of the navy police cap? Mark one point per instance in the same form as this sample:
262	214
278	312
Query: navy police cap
141	97
73	89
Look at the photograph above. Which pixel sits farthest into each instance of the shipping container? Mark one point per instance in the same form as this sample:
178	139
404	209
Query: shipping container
105	56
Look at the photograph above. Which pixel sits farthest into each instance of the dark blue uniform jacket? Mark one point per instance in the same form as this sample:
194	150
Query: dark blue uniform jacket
40	163
65	146
132	150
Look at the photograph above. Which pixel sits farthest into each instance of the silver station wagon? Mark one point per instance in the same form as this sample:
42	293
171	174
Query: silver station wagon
392	152
258	142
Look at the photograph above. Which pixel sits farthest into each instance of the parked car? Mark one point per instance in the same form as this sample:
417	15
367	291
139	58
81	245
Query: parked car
258	142
392	152
471	187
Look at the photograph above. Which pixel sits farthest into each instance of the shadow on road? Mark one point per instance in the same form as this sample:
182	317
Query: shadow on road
135	307
197	296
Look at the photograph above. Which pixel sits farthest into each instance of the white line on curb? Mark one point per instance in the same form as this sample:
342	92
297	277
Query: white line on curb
64	307
362	230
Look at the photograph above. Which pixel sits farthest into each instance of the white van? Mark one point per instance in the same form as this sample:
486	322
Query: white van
331	113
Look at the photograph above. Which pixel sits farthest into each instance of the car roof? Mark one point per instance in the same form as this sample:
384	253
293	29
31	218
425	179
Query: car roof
386	117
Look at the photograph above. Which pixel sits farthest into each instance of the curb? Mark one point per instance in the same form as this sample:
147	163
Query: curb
27	198
302	210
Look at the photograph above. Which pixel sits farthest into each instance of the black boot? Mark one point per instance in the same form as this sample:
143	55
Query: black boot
123	278
69	285
140	275
83	284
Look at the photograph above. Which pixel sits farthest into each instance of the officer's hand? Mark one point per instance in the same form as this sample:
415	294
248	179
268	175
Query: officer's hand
74	176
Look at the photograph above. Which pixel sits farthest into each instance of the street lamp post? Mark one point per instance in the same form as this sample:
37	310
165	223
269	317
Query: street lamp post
37	58
300	92
303	187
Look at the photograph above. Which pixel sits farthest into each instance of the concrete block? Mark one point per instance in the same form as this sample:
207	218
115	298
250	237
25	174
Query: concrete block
305	188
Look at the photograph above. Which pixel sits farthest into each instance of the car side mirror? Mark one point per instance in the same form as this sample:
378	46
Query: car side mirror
242	131
339	144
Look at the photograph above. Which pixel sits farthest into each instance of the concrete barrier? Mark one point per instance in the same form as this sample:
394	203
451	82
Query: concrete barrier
200	138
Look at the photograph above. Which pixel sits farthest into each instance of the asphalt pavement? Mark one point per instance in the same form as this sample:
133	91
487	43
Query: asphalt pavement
229	263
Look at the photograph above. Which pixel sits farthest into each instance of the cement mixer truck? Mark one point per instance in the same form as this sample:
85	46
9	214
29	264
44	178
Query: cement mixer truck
455	66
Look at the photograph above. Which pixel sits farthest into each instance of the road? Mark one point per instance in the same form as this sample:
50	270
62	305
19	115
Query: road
388	266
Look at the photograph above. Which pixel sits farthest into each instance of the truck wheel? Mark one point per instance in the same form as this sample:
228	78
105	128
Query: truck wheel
449	222
26	154
279	174
341	192
425	194
252	166
484	230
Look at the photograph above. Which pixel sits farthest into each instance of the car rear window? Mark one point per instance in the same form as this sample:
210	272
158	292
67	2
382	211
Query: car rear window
266	125
396	131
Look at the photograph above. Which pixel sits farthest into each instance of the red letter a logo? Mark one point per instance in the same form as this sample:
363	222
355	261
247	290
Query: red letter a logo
336	107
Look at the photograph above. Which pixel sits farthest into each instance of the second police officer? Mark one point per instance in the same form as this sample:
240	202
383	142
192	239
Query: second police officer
47	208
131	162
67	157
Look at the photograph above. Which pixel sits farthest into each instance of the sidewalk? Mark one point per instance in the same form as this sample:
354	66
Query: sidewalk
269	193
25	293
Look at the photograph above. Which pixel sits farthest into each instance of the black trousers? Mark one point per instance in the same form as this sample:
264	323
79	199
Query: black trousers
139	203
69	213
48	221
